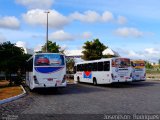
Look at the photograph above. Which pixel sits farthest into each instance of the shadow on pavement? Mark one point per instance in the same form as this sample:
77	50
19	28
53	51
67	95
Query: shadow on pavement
82	88
125	84
130	84
70	89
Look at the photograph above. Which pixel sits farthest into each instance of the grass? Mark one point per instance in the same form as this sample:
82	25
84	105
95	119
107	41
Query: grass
8	91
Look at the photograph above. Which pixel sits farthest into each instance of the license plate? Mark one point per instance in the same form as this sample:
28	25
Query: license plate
50	79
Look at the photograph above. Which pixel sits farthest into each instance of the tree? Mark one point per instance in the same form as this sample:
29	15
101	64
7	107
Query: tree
52	47
148	65
12	59
93	50
109	56
70	64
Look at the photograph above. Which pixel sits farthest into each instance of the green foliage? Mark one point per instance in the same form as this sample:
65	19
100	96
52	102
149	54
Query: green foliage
12	60
93	50
148	65
109	56
70	64
52	47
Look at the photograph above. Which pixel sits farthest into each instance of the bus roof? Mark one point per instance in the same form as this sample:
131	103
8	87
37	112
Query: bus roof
100	60
138	60
47	53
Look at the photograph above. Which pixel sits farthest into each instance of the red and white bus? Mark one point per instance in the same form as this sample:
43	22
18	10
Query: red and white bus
104	71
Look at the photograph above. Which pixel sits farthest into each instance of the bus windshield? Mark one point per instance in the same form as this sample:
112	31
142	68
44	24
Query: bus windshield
49	60
138	64
122	62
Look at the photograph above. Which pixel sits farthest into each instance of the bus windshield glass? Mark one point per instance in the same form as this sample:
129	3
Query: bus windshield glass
138	64
49	60
122	62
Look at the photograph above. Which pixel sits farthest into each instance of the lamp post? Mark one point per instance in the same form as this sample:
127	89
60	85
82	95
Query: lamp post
47	12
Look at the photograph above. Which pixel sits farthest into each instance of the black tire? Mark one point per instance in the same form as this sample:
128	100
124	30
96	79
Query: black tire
78	80
94	81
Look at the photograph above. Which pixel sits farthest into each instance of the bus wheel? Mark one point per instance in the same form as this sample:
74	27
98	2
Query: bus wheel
94	81
78	79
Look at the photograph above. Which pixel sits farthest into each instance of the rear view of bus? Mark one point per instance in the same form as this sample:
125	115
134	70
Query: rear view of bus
49	70
121	70
138	70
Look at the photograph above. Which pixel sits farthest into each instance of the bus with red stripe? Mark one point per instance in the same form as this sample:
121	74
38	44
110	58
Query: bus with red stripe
103	71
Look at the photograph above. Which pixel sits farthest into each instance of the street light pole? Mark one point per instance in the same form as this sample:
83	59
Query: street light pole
47	32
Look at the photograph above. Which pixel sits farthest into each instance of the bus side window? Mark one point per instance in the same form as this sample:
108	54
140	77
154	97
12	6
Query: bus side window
81	67
94	67
78	67
89	66
100	66
85	67
106	65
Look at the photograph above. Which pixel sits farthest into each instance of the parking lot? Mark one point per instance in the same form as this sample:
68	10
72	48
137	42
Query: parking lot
84	99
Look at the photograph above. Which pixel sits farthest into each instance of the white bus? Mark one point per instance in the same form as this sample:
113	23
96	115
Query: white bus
138	70
104	71
47	70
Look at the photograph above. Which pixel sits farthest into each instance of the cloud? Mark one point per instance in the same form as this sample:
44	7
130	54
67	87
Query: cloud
38	48
21	44
61	36
92	16
87	16
33	4
64	36
128	32
73	52
64	47
149	54
107	16
57	20
152	51
38	17
9	22
121	20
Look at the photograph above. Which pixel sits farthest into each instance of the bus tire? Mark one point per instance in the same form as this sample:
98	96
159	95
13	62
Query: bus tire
78	80
94	81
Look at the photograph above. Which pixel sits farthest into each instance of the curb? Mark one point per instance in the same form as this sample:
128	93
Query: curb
152	79
14	97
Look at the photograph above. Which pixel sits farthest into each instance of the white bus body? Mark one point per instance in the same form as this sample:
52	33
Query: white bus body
49	70
103	71
138	70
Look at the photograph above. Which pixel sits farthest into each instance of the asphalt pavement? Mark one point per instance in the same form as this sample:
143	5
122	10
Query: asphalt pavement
87	101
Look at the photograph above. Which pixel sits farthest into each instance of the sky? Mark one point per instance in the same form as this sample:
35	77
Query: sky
129	27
